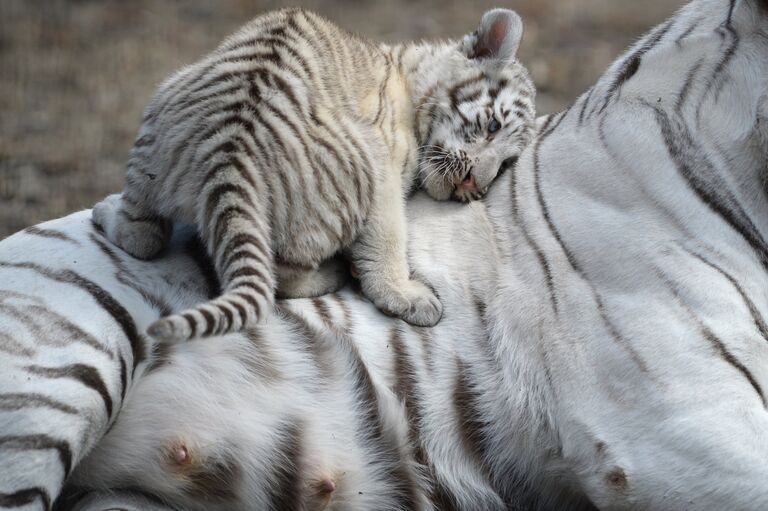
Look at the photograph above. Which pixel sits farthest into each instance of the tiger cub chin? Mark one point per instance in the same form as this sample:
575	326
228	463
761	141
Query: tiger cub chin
296	141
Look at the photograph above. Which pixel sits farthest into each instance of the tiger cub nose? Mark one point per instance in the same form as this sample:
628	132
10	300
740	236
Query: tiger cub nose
469	183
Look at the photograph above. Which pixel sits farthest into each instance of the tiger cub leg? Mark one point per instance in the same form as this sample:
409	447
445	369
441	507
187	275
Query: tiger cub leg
131	227
379	255
298	282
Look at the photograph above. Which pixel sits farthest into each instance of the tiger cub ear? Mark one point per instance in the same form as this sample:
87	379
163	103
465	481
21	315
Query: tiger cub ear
497	38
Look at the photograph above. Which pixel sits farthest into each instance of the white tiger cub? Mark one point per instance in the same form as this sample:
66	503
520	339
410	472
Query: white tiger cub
296	140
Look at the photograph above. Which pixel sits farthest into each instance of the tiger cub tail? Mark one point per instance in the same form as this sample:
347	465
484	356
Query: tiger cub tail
233	220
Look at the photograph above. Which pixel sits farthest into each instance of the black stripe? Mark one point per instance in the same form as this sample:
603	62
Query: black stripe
324	312
250	300
725	59
756	316
345	312
85	374
258	288
40	443
192	102
543	262
382	93
407	390
632	63
706	182
228	316
585	104
610	326
191	323
287	91
240	311
688	31
716	342
373	433
123	378
243	238
144	140
686	88
286	488
731	359
129	279
50	233
195	249
232	163
10	345
213	197
471	425
272	35
39	321
313	344
248	272
222	220
20	401
210	321
24	497
102	297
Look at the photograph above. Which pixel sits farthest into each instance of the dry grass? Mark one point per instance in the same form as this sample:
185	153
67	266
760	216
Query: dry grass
76	75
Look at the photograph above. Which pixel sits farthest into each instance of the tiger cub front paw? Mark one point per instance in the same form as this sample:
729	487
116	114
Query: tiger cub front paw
411	301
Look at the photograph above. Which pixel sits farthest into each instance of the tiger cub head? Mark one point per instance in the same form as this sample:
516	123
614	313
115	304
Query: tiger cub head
477	114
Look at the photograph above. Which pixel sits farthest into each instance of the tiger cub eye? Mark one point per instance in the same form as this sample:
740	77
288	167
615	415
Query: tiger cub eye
494	126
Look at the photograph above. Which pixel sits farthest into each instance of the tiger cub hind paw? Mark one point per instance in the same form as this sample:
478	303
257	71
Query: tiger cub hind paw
142	236
413	302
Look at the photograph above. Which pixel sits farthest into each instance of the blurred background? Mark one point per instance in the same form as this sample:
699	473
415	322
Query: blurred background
75	75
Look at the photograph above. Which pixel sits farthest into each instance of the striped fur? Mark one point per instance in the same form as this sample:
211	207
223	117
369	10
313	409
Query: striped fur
295	141
608	350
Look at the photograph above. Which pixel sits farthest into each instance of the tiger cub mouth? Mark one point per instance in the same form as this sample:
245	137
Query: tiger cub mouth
466	189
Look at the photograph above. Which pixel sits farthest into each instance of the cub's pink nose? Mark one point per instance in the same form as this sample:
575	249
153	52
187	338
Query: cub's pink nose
468	184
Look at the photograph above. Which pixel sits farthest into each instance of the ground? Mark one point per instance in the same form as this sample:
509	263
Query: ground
75	75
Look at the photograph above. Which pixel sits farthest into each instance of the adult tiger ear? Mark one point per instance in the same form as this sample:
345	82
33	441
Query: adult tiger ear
498	36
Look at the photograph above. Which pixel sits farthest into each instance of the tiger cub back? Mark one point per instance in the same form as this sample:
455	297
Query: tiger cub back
295	142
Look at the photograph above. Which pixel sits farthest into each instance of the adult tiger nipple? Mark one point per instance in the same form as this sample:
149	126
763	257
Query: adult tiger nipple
178	454
326	485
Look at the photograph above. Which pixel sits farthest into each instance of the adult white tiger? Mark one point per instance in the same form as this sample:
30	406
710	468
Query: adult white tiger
621	362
